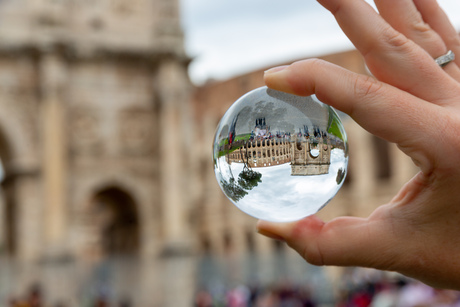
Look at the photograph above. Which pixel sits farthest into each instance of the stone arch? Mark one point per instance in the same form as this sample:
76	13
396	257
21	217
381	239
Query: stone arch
7	203
19	183
86	235
115	214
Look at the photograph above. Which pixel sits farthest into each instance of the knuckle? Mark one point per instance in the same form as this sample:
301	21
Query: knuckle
312	64
422	34
296	79
422	27
318	64
366	87
395	39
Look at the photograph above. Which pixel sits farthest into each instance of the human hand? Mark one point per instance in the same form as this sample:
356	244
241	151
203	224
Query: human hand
410	101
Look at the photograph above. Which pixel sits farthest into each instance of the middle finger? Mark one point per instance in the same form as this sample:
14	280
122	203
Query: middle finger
391	57
404	17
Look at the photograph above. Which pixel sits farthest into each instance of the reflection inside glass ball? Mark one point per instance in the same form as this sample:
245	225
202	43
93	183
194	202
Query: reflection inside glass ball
280	157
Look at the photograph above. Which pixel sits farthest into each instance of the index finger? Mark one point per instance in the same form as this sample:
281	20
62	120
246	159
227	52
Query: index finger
379	108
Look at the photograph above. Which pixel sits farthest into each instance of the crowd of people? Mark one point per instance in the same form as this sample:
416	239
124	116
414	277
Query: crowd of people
356	288
244	296
35	297
366	287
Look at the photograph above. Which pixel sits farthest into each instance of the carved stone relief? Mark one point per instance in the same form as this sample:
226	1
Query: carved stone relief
136	131
85	133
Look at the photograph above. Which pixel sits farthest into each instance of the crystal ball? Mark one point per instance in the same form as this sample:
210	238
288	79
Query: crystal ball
280	157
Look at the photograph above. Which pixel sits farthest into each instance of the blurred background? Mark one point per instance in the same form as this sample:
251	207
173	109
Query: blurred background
108	198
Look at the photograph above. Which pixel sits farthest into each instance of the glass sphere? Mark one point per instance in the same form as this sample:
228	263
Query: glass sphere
280	157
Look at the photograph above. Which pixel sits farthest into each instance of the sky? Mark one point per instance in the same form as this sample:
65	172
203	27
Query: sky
276	197
227	38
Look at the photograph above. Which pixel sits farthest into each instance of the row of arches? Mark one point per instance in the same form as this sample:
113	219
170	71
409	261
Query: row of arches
268	153
267	142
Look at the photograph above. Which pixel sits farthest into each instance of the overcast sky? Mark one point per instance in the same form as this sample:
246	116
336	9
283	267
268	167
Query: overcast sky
230	37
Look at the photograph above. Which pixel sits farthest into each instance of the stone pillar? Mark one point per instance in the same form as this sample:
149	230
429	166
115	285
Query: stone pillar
3	224
171	86
52	77
29	217
177	262
363	162
178	275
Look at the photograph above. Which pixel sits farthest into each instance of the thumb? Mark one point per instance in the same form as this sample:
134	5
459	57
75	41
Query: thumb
344	241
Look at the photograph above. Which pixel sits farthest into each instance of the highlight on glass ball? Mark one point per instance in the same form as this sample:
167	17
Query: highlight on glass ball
280	157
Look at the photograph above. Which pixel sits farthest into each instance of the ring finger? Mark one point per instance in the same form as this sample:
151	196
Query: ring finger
391	56
425	23
439	22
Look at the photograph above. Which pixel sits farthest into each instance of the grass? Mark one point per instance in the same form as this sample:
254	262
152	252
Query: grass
224	142
333	125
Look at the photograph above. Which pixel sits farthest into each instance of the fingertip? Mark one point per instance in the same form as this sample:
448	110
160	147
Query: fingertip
268	230
330	5
296	79
276	78
273	230
300	235
305	227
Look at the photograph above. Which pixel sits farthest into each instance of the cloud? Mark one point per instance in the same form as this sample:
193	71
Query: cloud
228	38
283	197
233	37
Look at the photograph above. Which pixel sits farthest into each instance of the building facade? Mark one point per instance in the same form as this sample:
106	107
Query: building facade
306	156
94	126
106	151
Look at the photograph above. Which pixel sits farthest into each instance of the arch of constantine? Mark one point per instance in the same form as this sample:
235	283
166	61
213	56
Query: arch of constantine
90	94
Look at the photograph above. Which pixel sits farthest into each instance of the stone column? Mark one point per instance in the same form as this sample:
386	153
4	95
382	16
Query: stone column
363	162
177	262
171	86
3	226
177	285
52	77
23	190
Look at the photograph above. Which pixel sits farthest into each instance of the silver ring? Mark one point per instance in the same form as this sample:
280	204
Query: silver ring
445	59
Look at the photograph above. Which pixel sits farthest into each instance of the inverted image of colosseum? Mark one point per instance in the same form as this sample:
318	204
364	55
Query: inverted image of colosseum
308	153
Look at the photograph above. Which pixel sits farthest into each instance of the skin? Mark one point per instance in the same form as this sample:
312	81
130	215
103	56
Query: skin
410	101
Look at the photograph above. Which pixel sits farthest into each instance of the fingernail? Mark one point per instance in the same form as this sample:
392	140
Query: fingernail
270	234
275	69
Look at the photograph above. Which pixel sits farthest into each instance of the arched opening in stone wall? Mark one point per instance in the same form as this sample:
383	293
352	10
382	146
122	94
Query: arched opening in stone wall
116	216
8	216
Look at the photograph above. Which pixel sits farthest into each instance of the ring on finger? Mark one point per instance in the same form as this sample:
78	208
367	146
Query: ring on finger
445	59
